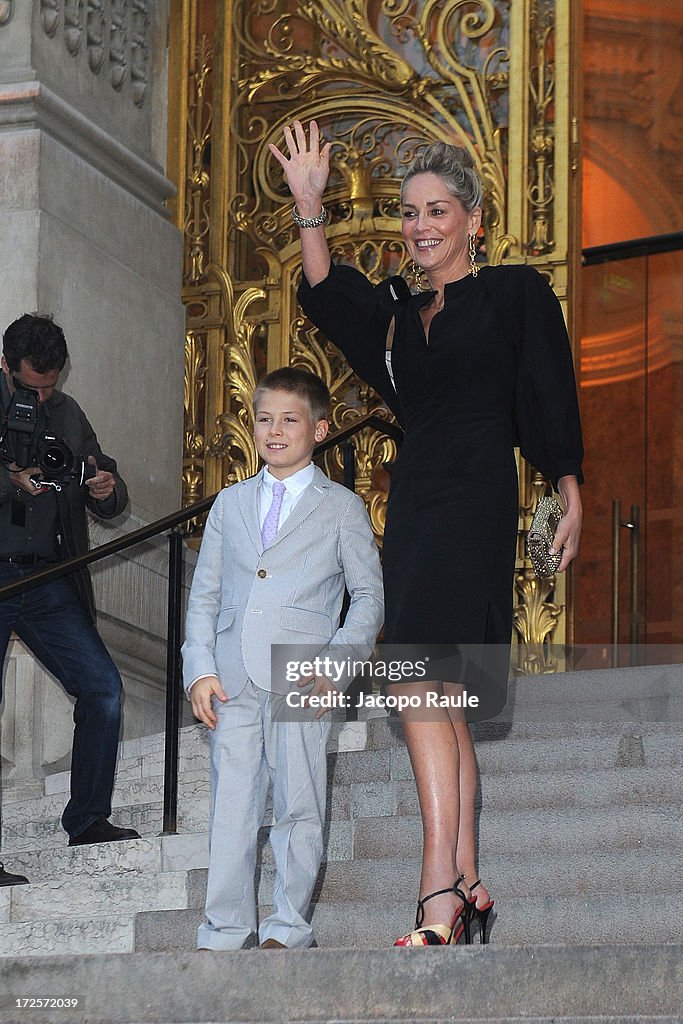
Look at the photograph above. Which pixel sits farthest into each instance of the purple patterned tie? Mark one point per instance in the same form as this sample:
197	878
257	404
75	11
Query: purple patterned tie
269	528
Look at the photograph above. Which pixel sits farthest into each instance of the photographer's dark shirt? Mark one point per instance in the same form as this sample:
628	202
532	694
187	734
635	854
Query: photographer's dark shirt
28	522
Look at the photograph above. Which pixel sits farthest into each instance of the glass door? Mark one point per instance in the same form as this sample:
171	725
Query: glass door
628	581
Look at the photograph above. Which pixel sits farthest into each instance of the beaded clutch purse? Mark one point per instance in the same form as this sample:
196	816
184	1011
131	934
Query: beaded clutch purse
541	535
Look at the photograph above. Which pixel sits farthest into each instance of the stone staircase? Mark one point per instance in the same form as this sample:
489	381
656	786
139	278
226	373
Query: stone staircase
580	838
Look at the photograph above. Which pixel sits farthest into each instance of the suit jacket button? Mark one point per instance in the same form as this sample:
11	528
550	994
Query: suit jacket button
262	574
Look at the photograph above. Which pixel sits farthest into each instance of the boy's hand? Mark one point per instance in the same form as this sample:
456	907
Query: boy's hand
200	697
321	685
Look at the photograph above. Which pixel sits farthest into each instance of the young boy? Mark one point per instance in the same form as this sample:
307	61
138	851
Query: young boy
278	551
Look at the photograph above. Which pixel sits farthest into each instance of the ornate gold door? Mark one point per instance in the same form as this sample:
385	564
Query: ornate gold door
380	77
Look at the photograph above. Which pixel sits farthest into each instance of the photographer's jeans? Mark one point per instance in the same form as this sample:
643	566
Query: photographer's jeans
52	623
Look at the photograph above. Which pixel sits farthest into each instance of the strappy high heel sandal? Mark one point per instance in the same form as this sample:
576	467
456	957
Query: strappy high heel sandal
438	934
475	913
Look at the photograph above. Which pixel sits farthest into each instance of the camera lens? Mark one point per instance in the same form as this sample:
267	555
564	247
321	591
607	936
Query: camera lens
52	458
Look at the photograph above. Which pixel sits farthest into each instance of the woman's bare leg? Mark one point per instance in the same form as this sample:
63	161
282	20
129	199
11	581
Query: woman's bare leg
434	755
466	844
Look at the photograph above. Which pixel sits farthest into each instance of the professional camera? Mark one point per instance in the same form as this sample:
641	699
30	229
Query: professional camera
23	444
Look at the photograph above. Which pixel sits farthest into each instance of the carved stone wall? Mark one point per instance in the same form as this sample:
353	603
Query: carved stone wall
107	46
86	236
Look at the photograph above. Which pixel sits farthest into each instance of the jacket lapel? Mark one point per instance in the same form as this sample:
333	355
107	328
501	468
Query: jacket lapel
247	497
316	491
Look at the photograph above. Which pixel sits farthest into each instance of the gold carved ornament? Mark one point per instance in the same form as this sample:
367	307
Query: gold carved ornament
375	100
380	79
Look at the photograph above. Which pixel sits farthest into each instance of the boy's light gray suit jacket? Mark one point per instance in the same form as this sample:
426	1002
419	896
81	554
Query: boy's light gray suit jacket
244	599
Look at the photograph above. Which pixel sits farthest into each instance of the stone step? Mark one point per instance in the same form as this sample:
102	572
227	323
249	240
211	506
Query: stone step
157	853
549	705
147	819
143	757
534	983
585	874
646	693
387	820
540	706
610	788
166	914
516	831
193	739
384	757
627	748
522	757
386	732
47	835
24	832
192	785
549	919
139	771
623	786
524	875
108	896
70	936
75	874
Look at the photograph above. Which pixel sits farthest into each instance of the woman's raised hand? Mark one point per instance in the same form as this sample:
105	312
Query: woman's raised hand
307	168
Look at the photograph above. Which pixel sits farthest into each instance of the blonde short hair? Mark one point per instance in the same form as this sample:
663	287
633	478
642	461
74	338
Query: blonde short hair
455	166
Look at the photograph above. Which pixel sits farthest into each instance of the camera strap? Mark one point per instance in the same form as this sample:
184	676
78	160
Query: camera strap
18	514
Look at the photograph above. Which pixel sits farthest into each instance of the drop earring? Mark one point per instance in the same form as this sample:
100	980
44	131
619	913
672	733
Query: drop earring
417	274
472	242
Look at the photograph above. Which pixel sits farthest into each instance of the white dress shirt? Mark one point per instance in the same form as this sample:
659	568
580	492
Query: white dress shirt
295	485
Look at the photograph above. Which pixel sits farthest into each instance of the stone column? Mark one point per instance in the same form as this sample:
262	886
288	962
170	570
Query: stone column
86	236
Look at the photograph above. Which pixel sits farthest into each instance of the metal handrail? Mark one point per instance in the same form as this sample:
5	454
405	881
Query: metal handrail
371	420
112	547
172	522
183	515
634	248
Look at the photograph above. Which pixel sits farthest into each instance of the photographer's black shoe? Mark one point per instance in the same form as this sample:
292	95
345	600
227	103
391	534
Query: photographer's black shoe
103	831
6	878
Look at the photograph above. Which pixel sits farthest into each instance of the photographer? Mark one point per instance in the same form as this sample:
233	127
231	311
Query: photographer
43	521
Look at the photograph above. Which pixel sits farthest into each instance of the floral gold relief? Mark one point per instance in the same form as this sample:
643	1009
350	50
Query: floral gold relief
535	619
381	77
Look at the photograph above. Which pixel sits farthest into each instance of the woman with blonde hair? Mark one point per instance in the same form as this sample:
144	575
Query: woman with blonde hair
479	362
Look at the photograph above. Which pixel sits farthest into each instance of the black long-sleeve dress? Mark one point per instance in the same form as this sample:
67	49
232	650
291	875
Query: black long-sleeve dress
497	372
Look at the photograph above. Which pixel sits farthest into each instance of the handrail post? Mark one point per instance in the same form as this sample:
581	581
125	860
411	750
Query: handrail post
616	526
635	551
349	456
634	526
171	737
